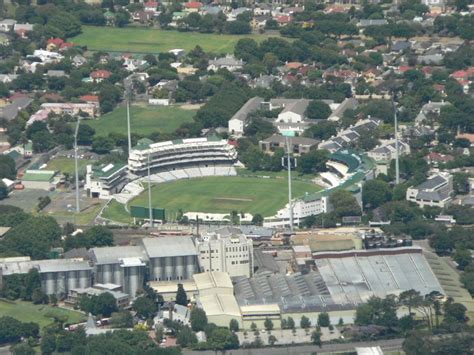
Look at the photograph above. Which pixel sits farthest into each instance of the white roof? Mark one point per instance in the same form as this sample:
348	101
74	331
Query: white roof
160	247
216	304
214	279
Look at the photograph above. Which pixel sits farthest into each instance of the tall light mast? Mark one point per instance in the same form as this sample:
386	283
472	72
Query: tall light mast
288	166
78	207
150	212
397	151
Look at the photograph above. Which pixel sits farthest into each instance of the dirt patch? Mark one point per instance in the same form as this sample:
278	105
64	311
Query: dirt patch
191	106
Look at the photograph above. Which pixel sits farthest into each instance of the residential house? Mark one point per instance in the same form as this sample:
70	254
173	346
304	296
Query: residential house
78	60
293	109
428	109
10	111
7	78
238	122
192	6
98	76
436	191
21	29
435	158
387	151
228	62
338	112
7	25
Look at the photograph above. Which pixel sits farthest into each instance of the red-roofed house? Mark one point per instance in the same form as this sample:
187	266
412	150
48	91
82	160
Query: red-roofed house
54	43
463	77
90	99
99	75
193	6
293	65
404	68
468	136
151	6
436	158
66	45
283	19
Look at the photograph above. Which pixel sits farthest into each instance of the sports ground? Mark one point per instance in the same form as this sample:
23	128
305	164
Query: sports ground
152	40
42	314
218	195
143	120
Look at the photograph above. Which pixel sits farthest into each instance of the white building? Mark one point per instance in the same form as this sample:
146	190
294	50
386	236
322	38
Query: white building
106	180
226	250
436	191
228	62
386	151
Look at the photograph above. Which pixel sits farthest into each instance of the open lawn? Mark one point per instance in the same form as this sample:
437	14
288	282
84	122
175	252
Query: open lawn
66	165
41	314
143	120
151	40
224	194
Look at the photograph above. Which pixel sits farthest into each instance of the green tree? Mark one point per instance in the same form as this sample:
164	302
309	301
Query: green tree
99	236
186	337
375	193
145	307
318	110
316	338
323	319
3	191
66	23
181	297
234	325
121	319
344	204
22	349
313	162
410	299
272	340
7	167
305	323
198	319
268	324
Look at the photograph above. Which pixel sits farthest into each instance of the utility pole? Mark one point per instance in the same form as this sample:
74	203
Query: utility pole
150	212
288	166
397	151
78	208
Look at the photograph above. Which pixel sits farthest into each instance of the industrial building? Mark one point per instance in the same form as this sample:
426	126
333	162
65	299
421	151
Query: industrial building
227	250
105	180
216	298
57	276
171	258
120	265
122	299
339	282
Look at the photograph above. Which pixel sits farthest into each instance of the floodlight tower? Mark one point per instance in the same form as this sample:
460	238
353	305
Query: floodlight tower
78	208
128	94
397	151
288	166
150	212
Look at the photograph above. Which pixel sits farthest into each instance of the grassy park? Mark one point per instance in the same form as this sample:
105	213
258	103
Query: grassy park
143	120
67	166
151	40
41	314
224	194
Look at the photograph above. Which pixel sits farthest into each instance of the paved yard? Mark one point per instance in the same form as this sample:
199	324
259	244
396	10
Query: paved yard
286	336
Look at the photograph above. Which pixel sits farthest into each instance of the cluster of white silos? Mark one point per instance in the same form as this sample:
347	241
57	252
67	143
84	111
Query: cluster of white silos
59	283
173	267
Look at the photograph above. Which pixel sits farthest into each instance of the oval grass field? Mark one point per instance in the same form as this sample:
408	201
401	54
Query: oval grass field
224	194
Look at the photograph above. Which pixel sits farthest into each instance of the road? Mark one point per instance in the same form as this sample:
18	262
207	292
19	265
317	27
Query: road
386	345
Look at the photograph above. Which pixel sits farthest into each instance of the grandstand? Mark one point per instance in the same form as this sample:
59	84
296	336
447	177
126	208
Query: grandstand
203	156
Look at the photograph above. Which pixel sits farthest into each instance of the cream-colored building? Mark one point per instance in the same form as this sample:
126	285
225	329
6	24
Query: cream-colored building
227	250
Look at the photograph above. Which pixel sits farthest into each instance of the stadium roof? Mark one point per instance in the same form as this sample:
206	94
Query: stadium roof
146	143
161	247
347	158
